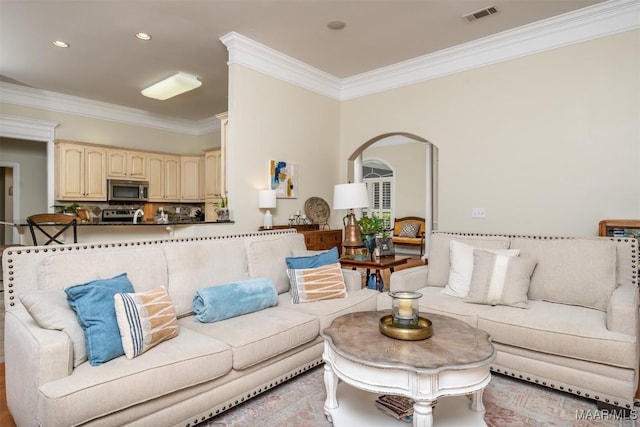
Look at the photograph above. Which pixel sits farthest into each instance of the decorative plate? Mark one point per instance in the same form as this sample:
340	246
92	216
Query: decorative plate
317	210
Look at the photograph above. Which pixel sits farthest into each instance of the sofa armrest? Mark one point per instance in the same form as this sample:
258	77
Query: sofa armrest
352	279
36	356
410	279
622	310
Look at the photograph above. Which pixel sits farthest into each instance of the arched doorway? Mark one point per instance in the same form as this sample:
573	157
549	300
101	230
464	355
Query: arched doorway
413	160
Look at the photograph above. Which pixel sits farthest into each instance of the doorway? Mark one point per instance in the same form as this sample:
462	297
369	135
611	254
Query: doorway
9	202
414	162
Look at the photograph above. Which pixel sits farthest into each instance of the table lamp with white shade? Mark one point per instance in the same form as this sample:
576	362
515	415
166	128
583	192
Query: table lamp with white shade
267	200
351	196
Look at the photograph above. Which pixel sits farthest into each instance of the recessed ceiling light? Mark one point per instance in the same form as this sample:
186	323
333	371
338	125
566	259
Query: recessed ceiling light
60	43
336	24
143	36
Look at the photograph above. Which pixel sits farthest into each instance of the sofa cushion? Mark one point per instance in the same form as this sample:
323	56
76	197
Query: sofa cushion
93	304
328	310
439	253
500	279
187	360
260	335
571	271
54	272
461	261
565	330
145	319
195	265
50	309
217	303
267	257
315	284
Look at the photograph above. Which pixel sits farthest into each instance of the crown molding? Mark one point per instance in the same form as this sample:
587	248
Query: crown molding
592	22
600	20
23	128
52	101
251	54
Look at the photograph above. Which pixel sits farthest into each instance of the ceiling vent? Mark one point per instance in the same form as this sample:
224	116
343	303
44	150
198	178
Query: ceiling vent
480	13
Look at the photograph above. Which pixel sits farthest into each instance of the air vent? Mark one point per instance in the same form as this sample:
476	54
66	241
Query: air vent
480	13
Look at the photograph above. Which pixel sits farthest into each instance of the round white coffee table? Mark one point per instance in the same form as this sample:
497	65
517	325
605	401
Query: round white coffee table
453	362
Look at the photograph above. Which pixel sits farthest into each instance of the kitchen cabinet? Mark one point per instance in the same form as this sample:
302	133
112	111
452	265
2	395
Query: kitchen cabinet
191	178
80	172
164	178
124	164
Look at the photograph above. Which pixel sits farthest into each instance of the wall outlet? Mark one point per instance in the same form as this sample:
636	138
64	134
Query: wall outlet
478	213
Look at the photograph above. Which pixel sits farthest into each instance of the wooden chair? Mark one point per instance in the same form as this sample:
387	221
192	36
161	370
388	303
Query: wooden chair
61	221
418	240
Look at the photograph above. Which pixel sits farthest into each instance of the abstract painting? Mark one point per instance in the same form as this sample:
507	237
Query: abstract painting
284	179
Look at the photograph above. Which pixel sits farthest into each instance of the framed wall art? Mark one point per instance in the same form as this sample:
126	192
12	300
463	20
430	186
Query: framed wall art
284	179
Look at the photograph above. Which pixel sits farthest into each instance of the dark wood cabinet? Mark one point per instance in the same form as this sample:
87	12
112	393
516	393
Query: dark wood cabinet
320	240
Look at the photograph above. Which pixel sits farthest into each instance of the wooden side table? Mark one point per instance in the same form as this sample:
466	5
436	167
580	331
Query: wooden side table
377	264
626	227
314	238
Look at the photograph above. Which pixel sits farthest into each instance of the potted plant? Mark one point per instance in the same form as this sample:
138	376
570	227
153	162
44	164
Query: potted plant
370	226
222	210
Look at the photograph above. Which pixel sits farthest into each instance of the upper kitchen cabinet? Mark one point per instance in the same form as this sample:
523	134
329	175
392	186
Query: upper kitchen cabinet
80	172
191	178
164	178
123	164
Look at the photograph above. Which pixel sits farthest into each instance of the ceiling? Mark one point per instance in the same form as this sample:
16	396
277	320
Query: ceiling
106	62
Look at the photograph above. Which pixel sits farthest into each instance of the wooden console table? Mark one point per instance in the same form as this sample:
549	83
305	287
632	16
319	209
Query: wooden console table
314	238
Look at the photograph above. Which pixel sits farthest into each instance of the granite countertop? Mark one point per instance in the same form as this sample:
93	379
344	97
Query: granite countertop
120	223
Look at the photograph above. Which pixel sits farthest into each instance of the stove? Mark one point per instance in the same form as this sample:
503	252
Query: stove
118	215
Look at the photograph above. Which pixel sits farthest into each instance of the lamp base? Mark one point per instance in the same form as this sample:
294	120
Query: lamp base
268	220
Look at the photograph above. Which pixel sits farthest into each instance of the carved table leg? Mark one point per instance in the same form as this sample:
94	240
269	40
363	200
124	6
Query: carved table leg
477	404
331	386
423	413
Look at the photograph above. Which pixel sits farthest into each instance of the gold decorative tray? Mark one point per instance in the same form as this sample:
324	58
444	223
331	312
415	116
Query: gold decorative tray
421	331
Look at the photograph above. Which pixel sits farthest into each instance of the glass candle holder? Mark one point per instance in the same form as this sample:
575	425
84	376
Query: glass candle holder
404	307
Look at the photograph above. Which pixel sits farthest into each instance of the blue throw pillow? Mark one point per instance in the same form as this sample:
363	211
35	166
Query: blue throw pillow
313	261
94	306
221	302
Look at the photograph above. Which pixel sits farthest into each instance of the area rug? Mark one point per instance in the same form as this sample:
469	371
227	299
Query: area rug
509	402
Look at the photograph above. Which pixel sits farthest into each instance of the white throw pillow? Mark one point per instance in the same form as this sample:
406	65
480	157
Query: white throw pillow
461	267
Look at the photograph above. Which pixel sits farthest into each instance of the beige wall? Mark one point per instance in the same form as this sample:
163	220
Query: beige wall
32	158
273	120
548	143
409	169
78	128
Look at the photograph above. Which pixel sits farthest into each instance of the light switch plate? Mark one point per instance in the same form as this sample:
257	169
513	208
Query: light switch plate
478	213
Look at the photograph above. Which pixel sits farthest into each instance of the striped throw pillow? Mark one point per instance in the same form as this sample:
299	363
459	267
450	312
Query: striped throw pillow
315	284
145	319
500	279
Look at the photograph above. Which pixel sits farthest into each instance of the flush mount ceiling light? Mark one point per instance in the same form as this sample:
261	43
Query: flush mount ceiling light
172	86
60	43
336	24
143	36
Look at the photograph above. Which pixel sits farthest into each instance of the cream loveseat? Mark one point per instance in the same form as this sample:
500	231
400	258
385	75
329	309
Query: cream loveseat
579	330
206	369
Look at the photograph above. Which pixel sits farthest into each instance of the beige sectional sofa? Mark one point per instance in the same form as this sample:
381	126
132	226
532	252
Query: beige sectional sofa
205	370
579	332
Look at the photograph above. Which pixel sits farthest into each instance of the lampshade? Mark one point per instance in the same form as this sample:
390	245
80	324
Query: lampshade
267	199
172	86
350	196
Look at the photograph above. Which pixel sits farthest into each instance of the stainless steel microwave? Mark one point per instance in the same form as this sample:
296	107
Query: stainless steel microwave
127	191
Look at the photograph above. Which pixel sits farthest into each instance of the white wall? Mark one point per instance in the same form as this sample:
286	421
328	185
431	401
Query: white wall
548	143
273	120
